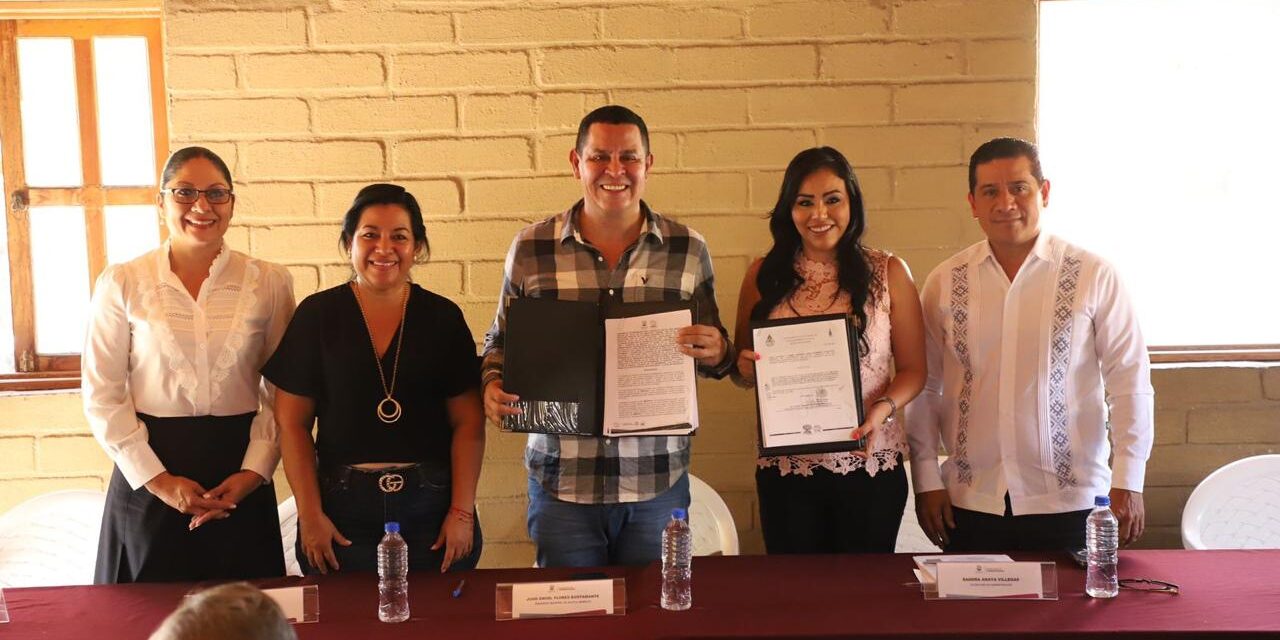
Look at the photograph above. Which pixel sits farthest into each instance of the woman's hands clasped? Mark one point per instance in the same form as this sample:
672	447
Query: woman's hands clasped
186	496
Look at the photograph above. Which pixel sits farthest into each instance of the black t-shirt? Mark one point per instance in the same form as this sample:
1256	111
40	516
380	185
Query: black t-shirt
326	355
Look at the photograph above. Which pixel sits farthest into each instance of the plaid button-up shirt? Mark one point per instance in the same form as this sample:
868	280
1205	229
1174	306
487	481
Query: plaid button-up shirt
550	259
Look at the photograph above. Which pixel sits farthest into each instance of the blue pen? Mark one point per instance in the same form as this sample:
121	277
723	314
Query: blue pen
458	592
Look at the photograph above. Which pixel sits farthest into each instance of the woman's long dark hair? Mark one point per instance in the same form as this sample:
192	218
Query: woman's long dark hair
778	277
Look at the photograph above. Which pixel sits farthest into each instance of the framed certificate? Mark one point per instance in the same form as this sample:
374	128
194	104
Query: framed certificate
808	385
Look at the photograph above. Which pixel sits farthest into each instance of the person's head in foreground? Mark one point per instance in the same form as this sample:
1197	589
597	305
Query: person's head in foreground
235	611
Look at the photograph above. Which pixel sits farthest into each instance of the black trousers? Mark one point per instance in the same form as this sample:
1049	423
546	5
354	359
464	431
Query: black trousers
976	531
145	540
829	512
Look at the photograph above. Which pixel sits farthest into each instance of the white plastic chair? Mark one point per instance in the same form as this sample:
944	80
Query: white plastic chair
713	530
1236	507
51	539
288	512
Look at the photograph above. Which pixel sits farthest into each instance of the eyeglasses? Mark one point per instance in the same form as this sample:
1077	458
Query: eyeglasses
189	195
1144	584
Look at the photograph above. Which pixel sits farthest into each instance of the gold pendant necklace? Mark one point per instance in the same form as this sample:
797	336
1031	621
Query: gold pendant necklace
388	409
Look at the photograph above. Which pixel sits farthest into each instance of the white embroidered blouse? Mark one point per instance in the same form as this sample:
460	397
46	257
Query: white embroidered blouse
152	349
819	293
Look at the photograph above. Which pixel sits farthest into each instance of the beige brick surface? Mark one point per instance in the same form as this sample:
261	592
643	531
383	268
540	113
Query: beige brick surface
679	107
975	135
862	60
338	158
553	153
764	187
313	70
754	64
606	66
405	114
977	102
841	18
484	278
436	198
488	70
444	278
19	455
1164	505
932	186
266	200
727	472
486	238
199	73
534	198
682	192
1271	382
677	23
879	146
236	28
957	17
742	234
452	155
1002	58
223	118
1234	424
502	447
836	105
71	455
1171	426
296	242
506	554
55	412
15	492
757	148
527	25
306	280
499	113
503	479
565	110
911	228
1194	386
1188	464
382	28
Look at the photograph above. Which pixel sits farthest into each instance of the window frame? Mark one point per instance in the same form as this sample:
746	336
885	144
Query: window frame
62	370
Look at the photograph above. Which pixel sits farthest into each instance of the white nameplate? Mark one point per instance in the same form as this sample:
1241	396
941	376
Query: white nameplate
990	580
569	598
300	604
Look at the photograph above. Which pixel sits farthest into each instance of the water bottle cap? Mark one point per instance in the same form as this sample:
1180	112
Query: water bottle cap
1102	501
679	514
391	527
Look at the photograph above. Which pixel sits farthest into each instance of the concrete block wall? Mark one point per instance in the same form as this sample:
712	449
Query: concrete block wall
473	107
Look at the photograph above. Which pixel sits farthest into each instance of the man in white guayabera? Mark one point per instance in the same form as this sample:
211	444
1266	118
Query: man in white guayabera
1038	373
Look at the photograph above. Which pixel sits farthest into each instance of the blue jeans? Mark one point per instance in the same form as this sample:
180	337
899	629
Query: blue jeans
358	508
568	534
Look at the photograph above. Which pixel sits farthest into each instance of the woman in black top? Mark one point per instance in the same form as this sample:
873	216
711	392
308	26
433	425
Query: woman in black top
390	371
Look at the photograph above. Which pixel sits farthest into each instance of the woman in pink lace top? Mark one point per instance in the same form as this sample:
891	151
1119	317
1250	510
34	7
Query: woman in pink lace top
852	501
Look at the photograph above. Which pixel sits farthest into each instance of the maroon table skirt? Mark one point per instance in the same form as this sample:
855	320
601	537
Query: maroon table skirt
1224	594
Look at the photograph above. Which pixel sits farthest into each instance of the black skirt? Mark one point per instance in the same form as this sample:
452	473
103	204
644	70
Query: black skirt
145	540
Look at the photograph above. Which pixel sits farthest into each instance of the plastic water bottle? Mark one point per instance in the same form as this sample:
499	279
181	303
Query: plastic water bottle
393	575
677	562
1102	535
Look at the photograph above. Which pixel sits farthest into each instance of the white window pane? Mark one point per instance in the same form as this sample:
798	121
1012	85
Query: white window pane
60	273
1159	146
50	118
125	135
6	306
132	230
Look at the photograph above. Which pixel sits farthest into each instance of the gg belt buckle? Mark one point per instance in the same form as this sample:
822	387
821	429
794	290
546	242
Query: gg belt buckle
391	482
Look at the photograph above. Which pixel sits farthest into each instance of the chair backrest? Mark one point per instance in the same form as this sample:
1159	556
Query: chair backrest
288	512
51	539
713	530
1235	507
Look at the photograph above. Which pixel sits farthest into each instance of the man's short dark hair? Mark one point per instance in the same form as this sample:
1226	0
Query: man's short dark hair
611	114
998	148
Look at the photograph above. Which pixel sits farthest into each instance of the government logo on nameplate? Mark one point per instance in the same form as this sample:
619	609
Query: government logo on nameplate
604	597
1000	580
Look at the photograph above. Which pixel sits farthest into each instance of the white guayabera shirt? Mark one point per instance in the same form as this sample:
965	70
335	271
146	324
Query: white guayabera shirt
1021	375
152	349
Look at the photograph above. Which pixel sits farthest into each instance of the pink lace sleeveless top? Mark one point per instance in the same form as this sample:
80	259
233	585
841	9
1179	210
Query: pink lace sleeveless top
817	294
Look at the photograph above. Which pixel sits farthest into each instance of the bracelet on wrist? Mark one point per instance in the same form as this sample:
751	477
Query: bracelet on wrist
893	410
464	516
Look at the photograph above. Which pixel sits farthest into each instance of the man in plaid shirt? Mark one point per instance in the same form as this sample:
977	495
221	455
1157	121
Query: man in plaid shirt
602	501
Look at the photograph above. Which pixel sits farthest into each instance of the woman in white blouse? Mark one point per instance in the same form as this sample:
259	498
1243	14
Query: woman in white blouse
172	392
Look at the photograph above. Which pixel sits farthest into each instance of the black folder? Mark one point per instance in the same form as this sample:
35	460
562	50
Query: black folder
553	358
